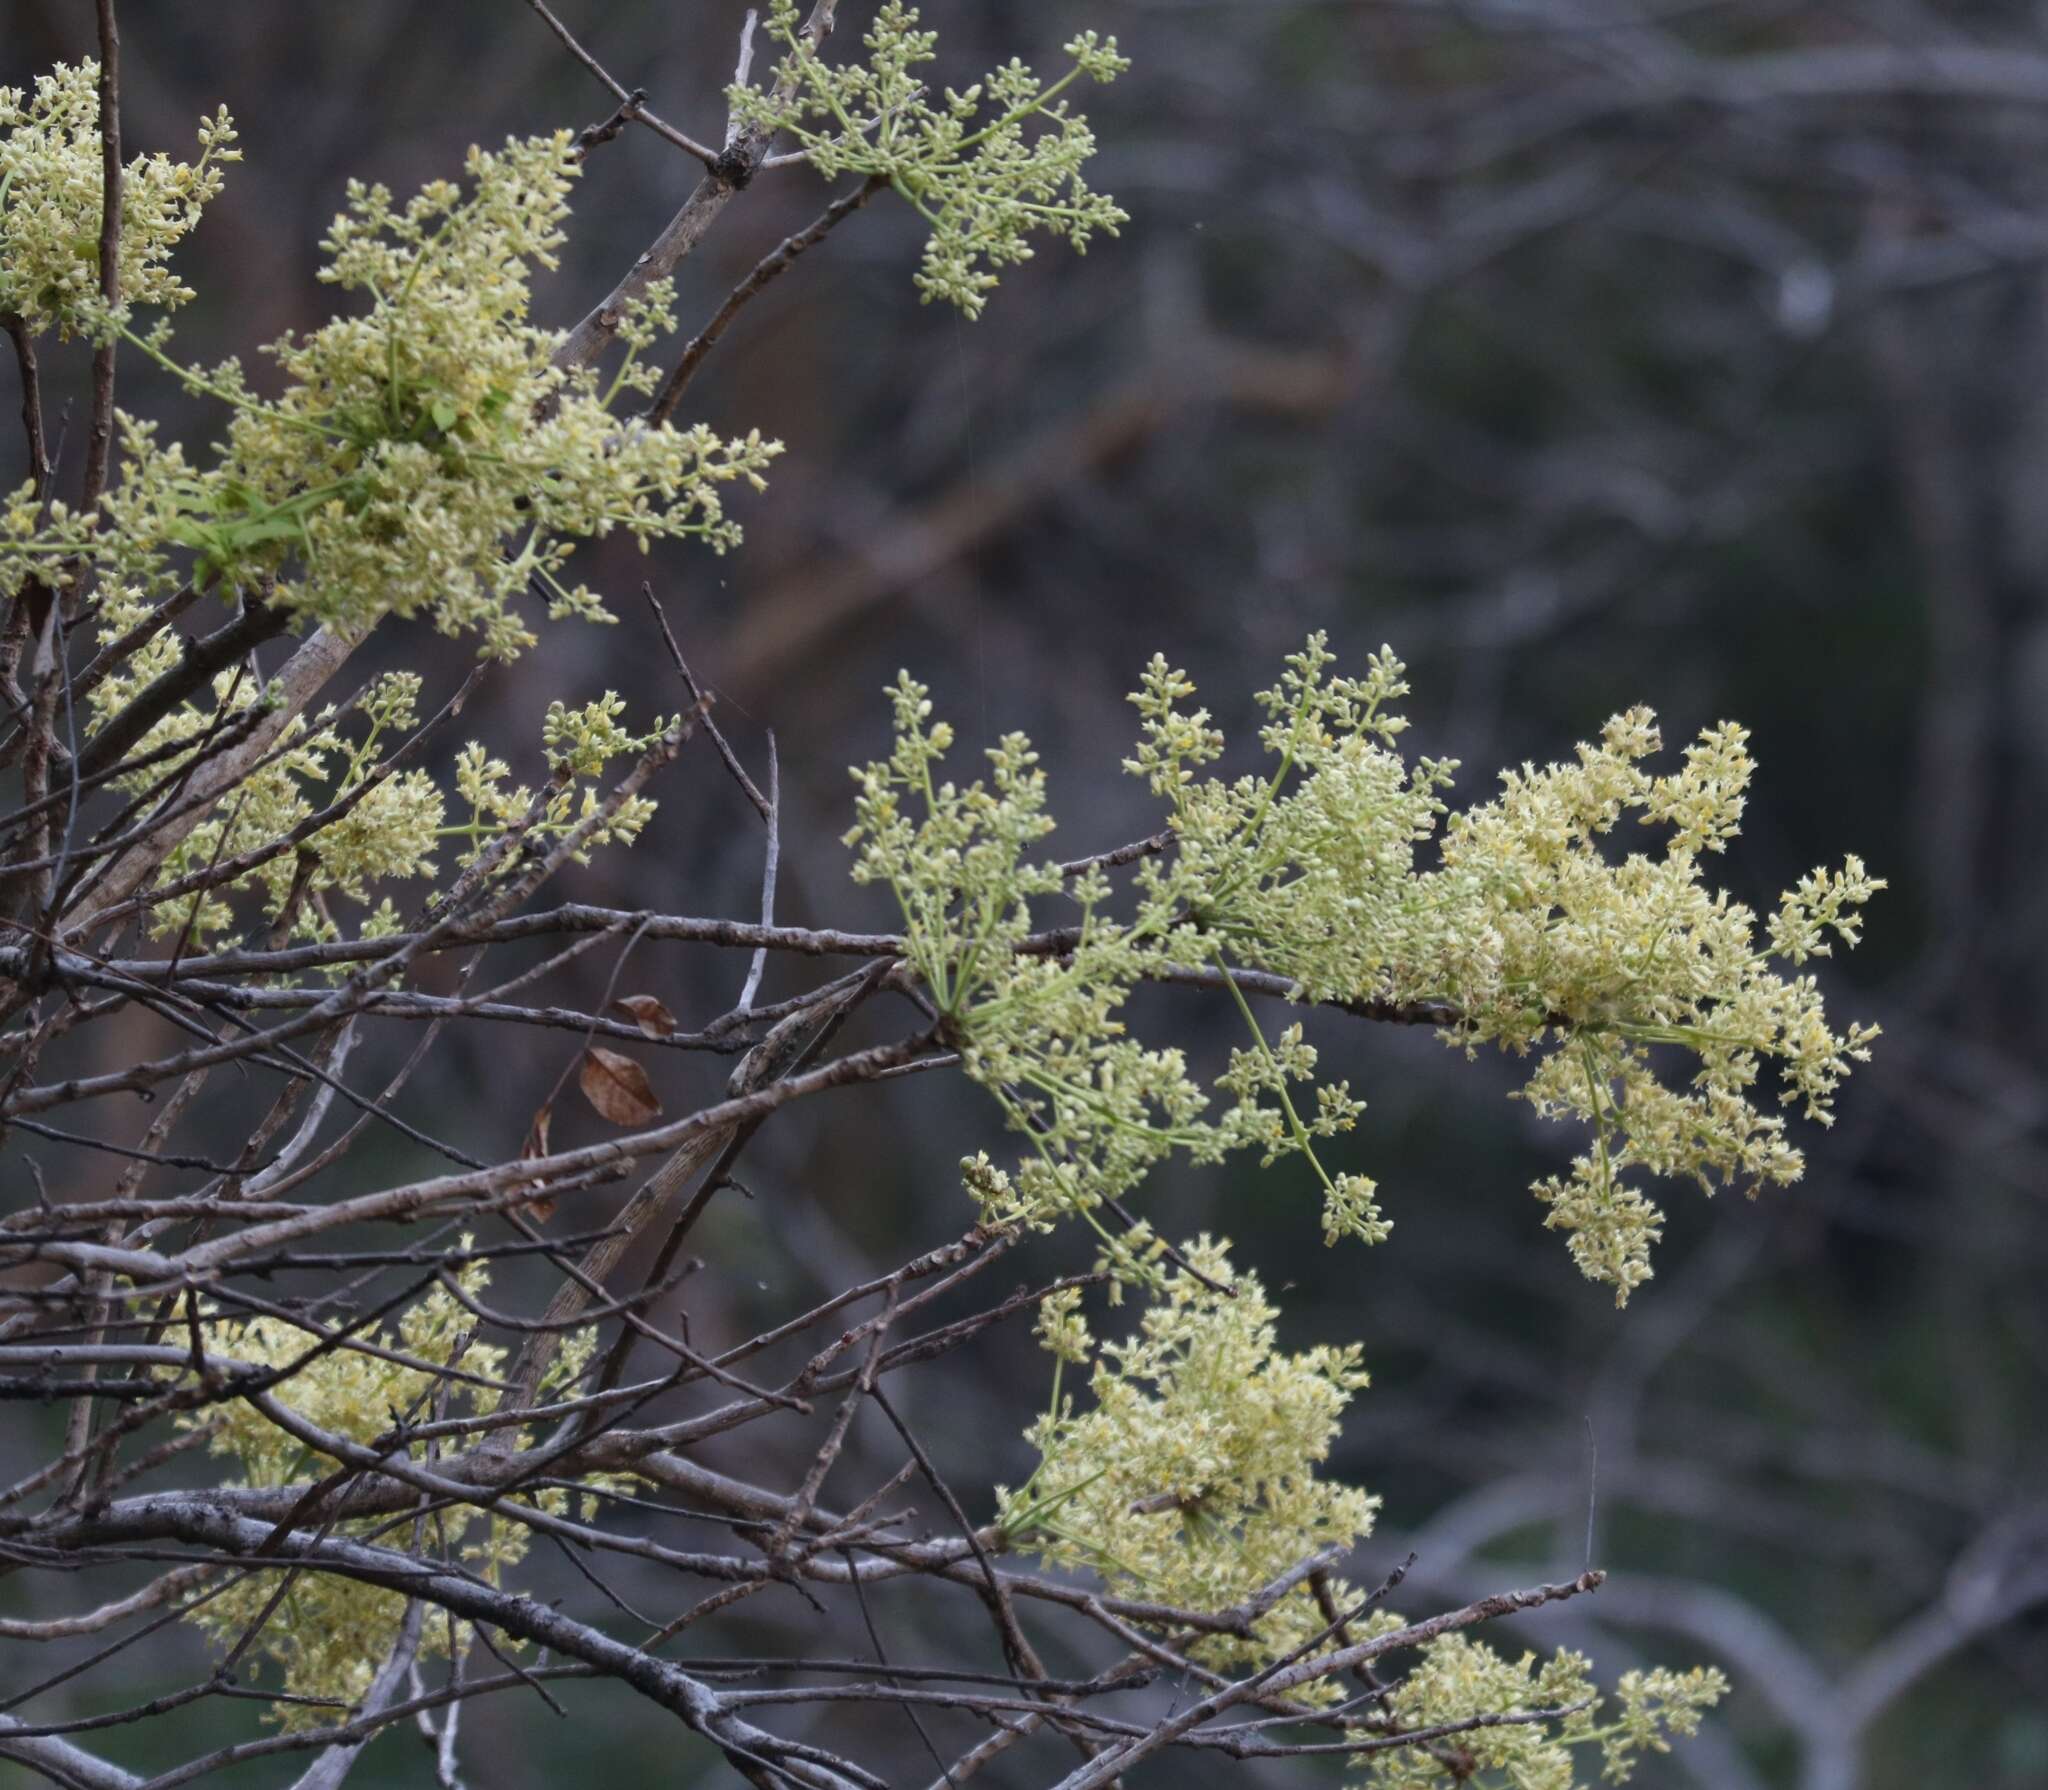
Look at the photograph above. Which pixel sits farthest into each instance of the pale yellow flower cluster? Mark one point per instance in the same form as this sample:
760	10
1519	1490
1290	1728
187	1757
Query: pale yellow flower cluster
1455	1678
1541	933
1528	932
415	439
984	183
425	456
392	823
1194	1480
1194	1475
330	1635
51	195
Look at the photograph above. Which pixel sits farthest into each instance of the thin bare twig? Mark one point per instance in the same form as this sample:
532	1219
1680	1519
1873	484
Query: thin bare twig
762	805
631	105
771	859
764	273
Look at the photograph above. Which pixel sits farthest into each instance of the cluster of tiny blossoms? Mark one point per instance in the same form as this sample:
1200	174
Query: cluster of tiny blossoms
1194	1474
50	206
1455	1678
1193	1478
578	743
330	1634
984	185
1526	932
1539	933
387	823
426	455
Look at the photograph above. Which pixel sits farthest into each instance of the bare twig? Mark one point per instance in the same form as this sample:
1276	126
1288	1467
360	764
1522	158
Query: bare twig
770	860
632	106
764	273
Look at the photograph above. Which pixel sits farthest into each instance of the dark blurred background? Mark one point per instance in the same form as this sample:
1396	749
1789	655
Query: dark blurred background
1589	352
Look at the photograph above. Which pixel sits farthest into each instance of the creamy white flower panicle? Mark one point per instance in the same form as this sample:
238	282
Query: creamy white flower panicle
986	169
51	194
333	1633
1193	1477
396	822
424	455
1455	1678
1526	932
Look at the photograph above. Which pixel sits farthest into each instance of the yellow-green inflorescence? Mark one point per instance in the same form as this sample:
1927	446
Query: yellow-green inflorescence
986	168
392	824
1193	1479
329	1635
424	454
1455	1678
1526	931
1193	1474
50	196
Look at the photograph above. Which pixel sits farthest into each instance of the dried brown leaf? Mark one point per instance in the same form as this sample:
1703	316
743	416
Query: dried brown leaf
648	1014
618	1087
537	1145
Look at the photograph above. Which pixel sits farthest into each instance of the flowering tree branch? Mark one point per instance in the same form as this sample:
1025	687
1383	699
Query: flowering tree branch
398	1441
